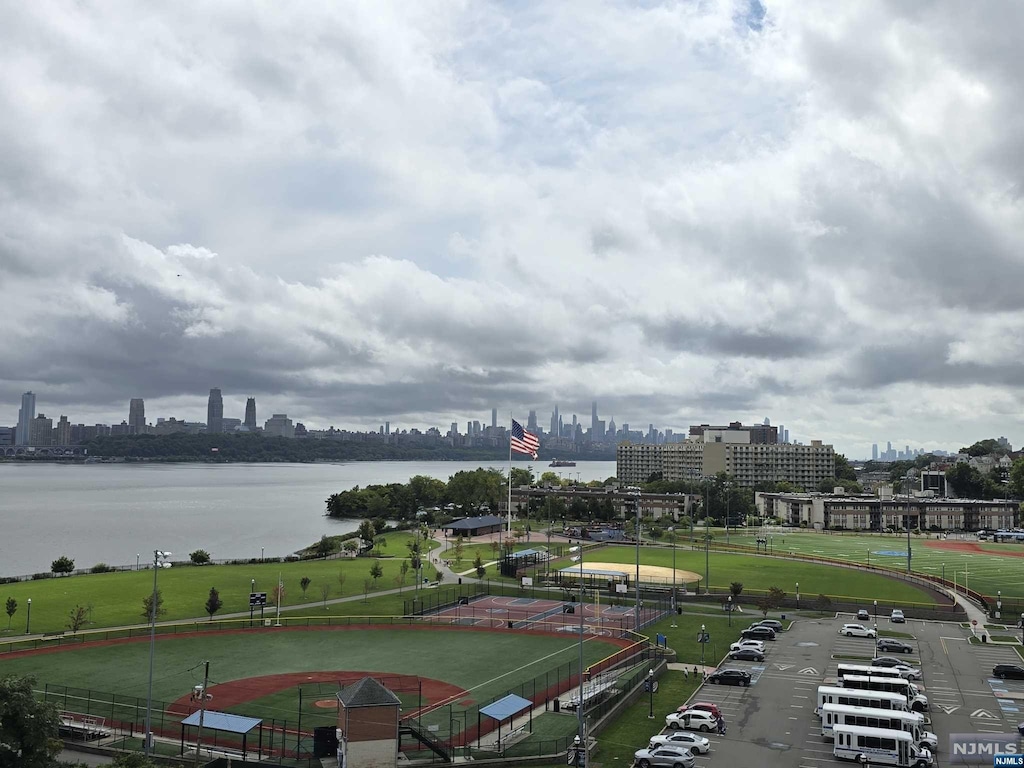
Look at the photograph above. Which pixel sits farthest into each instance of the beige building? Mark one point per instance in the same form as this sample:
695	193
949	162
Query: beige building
63	431
728	451
40	431
864	512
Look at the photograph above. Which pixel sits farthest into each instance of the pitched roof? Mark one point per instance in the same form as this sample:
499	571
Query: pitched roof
367	693
472	523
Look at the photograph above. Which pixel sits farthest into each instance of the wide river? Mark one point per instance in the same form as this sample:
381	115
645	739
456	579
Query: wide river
110	513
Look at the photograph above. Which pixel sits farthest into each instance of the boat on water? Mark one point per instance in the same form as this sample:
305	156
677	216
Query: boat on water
562	463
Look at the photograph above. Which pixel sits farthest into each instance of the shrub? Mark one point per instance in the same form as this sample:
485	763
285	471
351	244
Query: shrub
40	576
101	568
199	557
62	565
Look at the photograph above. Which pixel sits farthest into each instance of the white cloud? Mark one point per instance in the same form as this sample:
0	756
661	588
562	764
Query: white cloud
419	212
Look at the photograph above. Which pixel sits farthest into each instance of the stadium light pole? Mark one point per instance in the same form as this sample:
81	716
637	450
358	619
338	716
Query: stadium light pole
907	488
159	561
707	556
798	595
28	621
650	689
730	610
703	629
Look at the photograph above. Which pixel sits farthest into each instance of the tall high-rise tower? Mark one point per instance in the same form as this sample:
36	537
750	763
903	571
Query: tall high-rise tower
215	412
136	416
26	413
494	418
250	413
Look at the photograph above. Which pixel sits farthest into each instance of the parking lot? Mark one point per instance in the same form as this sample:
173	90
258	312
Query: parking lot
773	721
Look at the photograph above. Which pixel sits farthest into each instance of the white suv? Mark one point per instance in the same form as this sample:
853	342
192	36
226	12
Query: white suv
757	645
692	720
856	630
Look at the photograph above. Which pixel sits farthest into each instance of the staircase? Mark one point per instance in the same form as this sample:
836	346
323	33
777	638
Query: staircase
417	730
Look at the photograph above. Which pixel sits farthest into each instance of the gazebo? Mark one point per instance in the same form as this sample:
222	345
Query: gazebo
506	708
226	723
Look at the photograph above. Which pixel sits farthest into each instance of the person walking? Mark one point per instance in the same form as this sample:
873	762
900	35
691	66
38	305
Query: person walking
721	725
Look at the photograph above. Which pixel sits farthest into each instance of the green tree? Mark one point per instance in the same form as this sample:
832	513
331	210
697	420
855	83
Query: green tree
28	726
325	591
438	575
12	608
76	619
151	608
1017	478
63	565
775	597
966	481
325	546
843	469
133	760
521	477
403	571
376	572
304	583
824	603
366	531
550	478
985	448
199	557
213	602
458	549
341	581
736	589
350	545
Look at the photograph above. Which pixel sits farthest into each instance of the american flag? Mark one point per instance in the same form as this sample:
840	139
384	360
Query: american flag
523	441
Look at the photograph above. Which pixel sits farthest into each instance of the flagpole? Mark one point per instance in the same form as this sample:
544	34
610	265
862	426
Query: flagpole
510	472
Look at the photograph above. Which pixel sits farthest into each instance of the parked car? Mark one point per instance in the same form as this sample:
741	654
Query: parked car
856	630
888	661
891	644
704	705
664	757
747	654
863	615
757	645
1008	671
776	625
692	720
730	677
698	745
758	633
897	617
907	672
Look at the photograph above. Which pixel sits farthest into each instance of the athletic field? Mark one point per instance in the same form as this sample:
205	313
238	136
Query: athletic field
981	566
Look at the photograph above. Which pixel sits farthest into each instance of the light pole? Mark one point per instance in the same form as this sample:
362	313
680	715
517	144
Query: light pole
673	605
730	610
908	520
703	629
28	621
579	708
636	504
798	595
943	573
137	556
261	554
707	556
876	615
999	602
159	561
650	688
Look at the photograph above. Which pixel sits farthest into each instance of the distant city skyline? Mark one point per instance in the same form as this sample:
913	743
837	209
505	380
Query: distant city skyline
215	407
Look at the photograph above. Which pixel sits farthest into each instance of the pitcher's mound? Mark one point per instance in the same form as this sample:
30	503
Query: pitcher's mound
326	704
652	572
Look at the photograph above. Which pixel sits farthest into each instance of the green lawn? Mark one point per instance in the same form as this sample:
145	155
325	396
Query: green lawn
115	599
486	664
760	573
986	573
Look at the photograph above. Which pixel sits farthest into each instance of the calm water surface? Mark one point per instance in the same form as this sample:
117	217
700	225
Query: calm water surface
109	512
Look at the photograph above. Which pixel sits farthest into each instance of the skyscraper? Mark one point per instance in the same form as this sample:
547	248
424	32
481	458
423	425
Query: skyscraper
250	413
26	413
531	423
593	421
215	412
494	418
63	431
137	416
874	451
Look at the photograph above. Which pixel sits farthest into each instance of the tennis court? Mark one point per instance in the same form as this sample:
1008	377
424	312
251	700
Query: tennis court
526	613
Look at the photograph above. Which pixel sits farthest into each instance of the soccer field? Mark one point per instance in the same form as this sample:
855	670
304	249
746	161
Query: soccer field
996	568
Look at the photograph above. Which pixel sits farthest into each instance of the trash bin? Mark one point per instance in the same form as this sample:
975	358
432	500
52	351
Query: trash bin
555	705
783	617
984	638
460	579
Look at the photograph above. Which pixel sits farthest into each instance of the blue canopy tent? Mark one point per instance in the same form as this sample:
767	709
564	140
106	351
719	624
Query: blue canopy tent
503	709
225	722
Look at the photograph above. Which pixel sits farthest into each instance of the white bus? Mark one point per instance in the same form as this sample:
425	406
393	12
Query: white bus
892	719
852	697
845	670
879	746
917	700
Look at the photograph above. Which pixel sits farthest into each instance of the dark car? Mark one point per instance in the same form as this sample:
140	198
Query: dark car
771	624
1011	671
863	615
730	677
746	654
887	661
893	645
758	633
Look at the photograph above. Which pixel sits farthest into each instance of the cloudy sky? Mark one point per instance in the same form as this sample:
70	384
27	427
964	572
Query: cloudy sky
419	211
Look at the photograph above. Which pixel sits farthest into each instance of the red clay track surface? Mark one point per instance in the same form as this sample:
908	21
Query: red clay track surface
970	547
237	692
